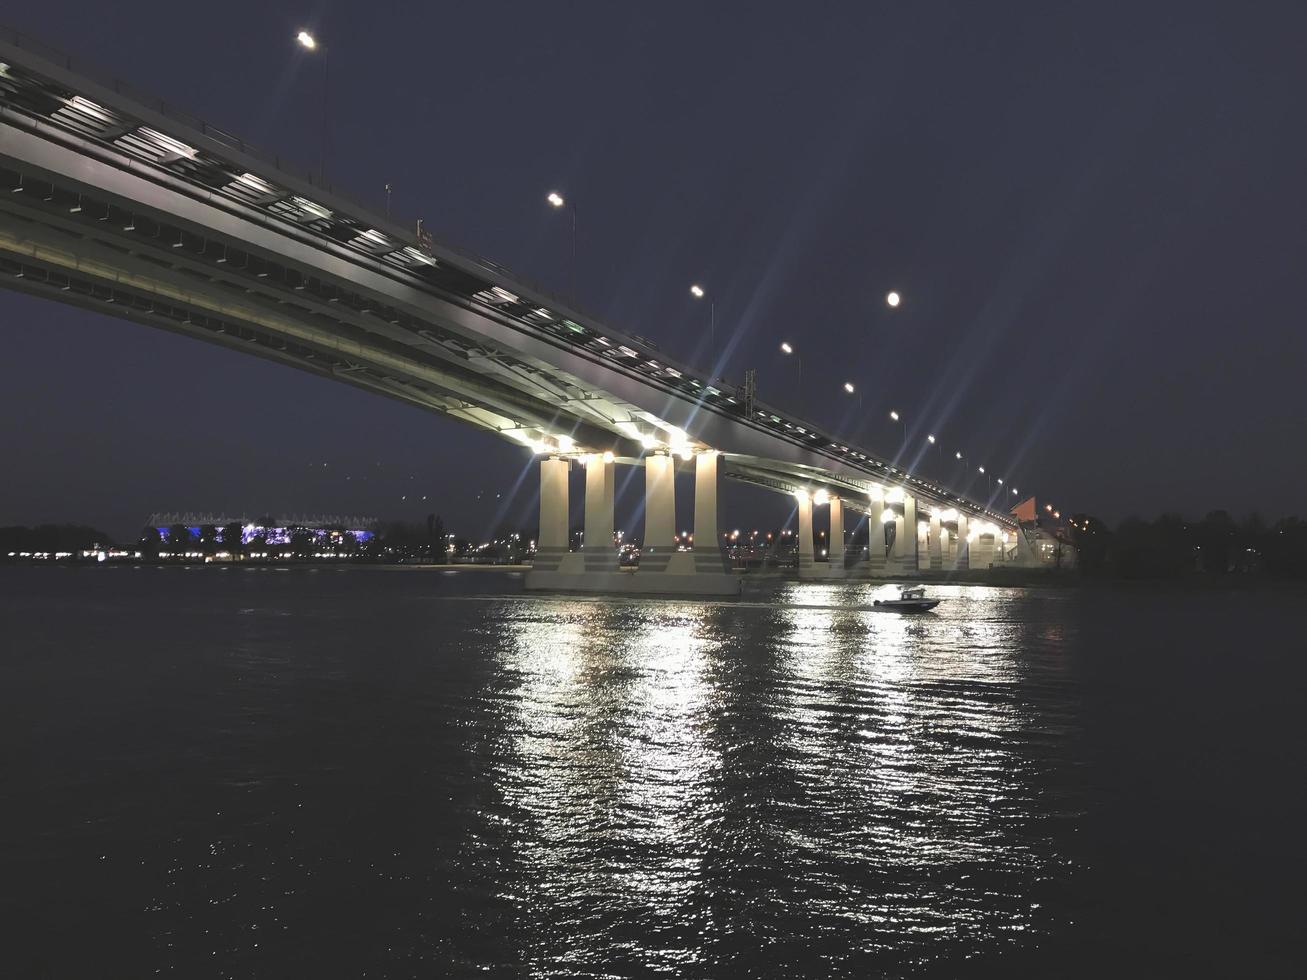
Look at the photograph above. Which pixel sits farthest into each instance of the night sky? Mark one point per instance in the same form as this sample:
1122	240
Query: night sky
1097	217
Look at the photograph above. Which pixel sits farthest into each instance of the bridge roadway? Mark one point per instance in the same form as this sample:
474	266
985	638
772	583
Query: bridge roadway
116	202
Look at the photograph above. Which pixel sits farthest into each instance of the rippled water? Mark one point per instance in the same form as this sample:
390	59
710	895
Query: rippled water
371	772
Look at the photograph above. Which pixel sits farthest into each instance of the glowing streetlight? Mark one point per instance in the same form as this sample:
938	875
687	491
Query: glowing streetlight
939	454
309	43
958	455
698	293
894	417
893	299
558	201
851	389
788	350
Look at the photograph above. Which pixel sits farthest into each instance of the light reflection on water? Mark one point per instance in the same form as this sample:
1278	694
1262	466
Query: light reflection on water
348	775
857	767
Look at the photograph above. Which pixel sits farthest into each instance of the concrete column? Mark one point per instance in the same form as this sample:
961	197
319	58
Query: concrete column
907	557
962	557
552	544
599	553
659	513
935	544
805	536
835	547
709	556
876	538
663	570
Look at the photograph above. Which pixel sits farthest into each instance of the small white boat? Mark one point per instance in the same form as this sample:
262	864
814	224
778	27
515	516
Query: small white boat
912	598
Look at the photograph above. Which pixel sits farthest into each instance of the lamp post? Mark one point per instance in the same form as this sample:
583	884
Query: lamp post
850	389
558	201
697	292
894	417
788	350
893	299
939	454
309	43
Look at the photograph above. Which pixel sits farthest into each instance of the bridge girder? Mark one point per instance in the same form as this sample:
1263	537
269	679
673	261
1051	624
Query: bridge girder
327	287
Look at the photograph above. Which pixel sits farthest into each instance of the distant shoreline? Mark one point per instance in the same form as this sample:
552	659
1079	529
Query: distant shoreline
1000	578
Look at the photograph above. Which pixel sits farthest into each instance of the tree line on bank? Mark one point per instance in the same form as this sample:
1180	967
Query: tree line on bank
1173	547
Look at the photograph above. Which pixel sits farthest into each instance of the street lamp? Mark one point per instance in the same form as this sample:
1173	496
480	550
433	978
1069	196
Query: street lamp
894	416
893	299
788	350
939	454
558	201
309	43
851	390
697	291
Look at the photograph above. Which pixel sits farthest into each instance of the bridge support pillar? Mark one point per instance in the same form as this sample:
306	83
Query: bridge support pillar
806	569
835	545
709	556
659	550
905	537
552	543
935	544
876	538
598	550
962	554
663	569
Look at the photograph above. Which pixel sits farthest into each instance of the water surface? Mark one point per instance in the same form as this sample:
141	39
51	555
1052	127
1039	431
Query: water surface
391	773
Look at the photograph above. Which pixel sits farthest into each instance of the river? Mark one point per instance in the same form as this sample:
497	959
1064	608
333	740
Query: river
259	772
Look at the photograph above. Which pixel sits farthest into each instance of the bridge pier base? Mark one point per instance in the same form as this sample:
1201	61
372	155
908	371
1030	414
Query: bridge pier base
664	570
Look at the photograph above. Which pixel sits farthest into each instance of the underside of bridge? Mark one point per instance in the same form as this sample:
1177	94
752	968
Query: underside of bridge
124	206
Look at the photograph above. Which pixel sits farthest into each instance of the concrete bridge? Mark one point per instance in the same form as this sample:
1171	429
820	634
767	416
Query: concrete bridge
114	201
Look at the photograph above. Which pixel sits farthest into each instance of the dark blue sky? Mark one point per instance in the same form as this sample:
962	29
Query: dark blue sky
1096	215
